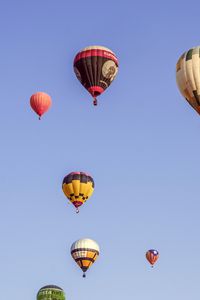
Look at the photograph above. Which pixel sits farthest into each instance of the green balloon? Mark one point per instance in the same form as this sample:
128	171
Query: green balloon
51	292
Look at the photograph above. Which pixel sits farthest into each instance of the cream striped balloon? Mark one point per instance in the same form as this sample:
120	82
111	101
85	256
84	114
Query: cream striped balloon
188	76
85	252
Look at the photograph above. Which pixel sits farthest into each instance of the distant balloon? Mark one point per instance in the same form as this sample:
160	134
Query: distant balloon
85	252
78	187
40	103
152	256
51	292
188	77
96	67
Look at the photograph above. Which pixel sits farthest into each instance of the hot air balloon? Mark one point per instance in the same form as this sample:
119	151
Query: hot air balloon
51	292
78	187
152	256
188	77
85	252
96	67
40	103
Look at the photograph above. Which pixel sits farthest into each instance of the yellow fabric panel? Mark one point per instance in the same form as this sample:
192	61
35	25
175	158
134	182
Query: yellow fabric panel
90	254
95	257
76	187
89	188
83	187
65	190
68	189
86	263
90	191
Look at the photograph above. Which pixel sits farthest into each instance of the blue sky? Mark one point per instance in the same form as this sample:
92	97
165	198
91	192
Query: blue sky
141	146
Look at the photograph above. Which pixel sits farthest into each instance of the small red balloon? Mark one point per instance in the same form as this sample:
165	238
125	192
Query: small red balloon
40	103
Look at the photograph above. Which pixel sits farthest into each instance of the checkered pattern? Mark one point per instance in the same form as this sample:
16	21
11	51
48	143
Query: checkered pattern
78	187
85	252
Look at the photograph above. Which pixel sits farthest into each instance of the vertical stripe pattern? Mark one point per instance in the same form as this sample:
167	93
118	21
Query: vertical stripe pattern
188	77
96	68
40	103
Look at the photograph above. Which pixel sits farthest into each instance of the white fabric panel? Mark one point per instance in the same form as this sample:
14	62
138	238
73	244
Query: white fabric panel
85	243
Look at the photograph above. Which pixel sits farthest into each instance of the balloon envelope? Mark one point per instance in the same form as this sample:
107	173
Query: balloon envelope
96	67
188	77
78	187
51	292
85	252
40	103
152	256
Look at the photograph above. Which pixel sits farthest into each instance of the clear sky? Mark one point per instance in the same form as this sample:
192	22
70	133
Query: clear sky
141	145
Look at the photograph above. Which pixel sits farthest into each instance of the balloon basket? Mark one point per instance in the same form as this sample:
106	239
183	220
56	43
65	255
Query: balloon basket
95	102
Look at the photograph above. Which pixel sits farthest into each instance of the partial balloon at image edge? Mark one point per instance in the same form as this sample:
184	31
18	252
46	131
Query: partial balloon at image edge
188	77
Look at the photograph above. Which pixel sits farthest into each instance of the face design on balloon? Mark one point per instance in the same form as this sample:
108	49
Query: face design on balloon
109	70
